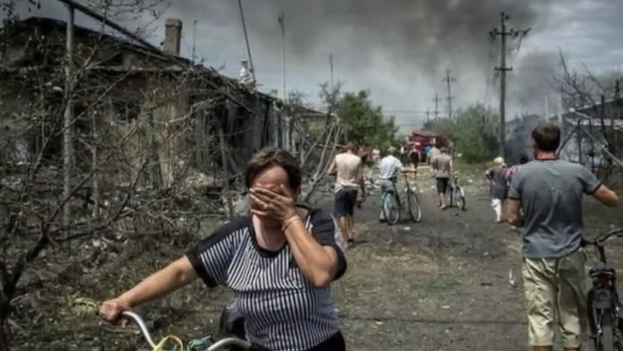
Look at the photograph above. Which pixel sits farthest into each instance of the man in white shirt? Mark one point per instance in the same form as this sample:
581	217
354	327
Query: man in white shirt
389	168
349	177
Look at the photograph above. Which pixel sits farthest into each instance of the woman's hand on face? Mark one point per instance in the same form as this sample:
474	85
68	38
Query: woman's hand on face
111	310
275	204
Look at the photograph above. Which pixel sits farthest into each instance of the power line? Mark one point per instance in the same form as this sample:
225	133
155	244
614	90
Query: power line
449	79
502	69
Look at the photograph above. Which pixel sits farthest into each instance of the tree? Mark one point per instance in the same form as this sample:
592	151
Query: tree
122	135
473	131
580	88
365	123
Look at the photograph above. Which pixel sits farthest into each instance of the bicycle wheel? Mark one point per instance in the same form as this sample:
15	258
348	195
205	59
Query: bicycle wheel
605	340
391	208
449	196
459	196
415	209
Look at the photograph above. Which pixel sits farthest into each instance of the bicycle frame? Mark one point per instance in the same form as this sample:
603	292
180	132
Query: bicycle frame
395	190
219	345
408	185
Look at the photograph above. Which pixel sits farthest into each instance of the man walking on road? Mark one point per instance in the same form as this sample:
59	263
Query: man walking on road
442	171
349	177
549	191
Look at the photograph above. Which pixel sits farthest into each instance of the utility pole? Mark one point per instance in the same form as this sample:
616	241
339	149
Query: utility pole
194	52
246	40
449	79
331	67
503	33
282	24
436	112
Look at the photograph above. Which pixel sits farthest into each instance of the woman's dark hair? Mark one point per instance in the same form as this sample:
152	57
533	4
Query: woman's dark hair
270	157
523	159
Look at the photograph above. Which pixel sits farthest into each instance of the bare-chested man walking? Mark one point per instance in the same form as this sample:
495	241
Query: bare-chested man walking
441	166
349	178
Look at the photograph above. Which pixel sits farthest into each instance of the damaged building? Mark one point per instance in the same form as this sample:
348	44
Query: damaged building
139	96
589	132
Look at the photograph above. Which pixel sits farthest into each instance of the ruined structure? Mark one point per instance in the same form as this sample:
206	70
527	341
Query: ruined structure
184	112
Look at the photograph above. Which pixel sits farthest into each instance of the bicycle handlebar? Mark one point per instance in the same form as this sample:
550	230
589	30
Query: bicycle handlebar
600	240
217	345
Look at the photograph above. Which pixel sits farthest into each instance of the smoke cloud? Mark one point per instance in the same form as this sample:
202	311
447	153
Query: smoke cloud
428	35
400	49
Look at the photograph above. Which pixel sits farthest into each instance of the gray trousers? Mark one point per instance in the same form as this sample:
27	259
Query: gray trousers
385	186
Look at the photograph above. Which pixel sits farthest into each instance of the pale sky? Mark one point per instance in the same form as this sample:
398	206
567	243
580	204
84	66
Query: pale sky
400	53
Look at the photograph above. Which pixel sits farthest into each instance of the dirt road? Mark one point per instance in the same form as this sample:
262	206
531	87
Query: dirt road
442	284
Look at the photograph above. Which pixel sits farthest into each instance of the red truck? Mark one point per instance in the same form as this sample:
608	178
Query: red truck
423	138
420	139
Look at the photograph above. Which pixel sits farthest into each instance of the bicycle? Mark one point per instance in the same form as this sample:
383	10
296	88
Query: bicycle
413	202
604	307
455	194
203	344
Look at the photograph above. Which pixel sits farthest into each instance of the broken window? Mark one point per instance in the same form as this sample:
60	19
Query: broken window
126	111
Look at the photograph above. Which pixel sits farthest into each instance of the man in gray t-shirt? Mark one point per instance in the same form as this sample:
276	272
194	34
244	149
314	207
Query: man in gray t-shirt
549	192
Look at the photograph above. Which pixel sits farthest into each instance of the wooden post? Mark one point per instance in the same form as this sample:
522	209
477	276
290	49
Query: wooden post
226	190
592	143
604	112
566	140
68	119
579	139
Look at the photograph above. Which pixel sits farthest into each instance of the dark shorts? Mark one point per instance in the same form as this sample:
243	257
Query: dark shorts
333	343
345	202
442	185
414	158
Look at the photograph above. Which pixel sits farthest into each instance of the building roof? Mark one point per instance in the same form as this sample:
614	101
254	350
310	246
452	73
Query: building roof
589	111
46	24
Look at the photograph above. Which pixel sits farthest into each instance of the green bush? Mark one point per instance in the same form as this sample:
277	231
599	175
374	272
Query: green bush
473	131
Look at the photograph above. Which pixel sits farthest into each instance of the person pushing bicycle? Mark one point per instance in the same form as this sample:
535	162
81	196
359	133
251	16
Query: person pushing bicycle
389	168
545	199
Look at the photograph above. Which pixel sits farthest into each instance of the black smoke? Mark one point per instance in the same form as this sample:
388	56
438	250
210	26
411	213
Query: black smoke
425	35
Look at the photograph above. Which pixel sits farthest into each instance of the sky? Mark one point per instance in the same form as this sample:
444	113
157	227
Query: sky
398	49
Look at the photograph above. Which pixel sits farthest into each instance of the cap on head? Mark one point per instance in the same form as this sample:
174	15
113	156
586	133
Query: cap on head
498	160
391	150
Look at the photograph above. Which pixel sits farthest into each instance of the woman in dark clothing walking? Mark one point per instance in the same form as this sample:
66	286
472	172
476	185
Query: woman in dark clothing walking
499	186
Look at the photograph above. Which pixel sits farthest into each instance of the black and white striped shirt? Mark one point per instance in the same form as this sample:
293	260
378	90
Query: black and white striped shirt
282	310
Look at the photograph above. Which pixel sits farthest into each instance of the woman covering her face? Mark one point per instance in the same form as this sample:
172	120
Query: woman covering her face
280	262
